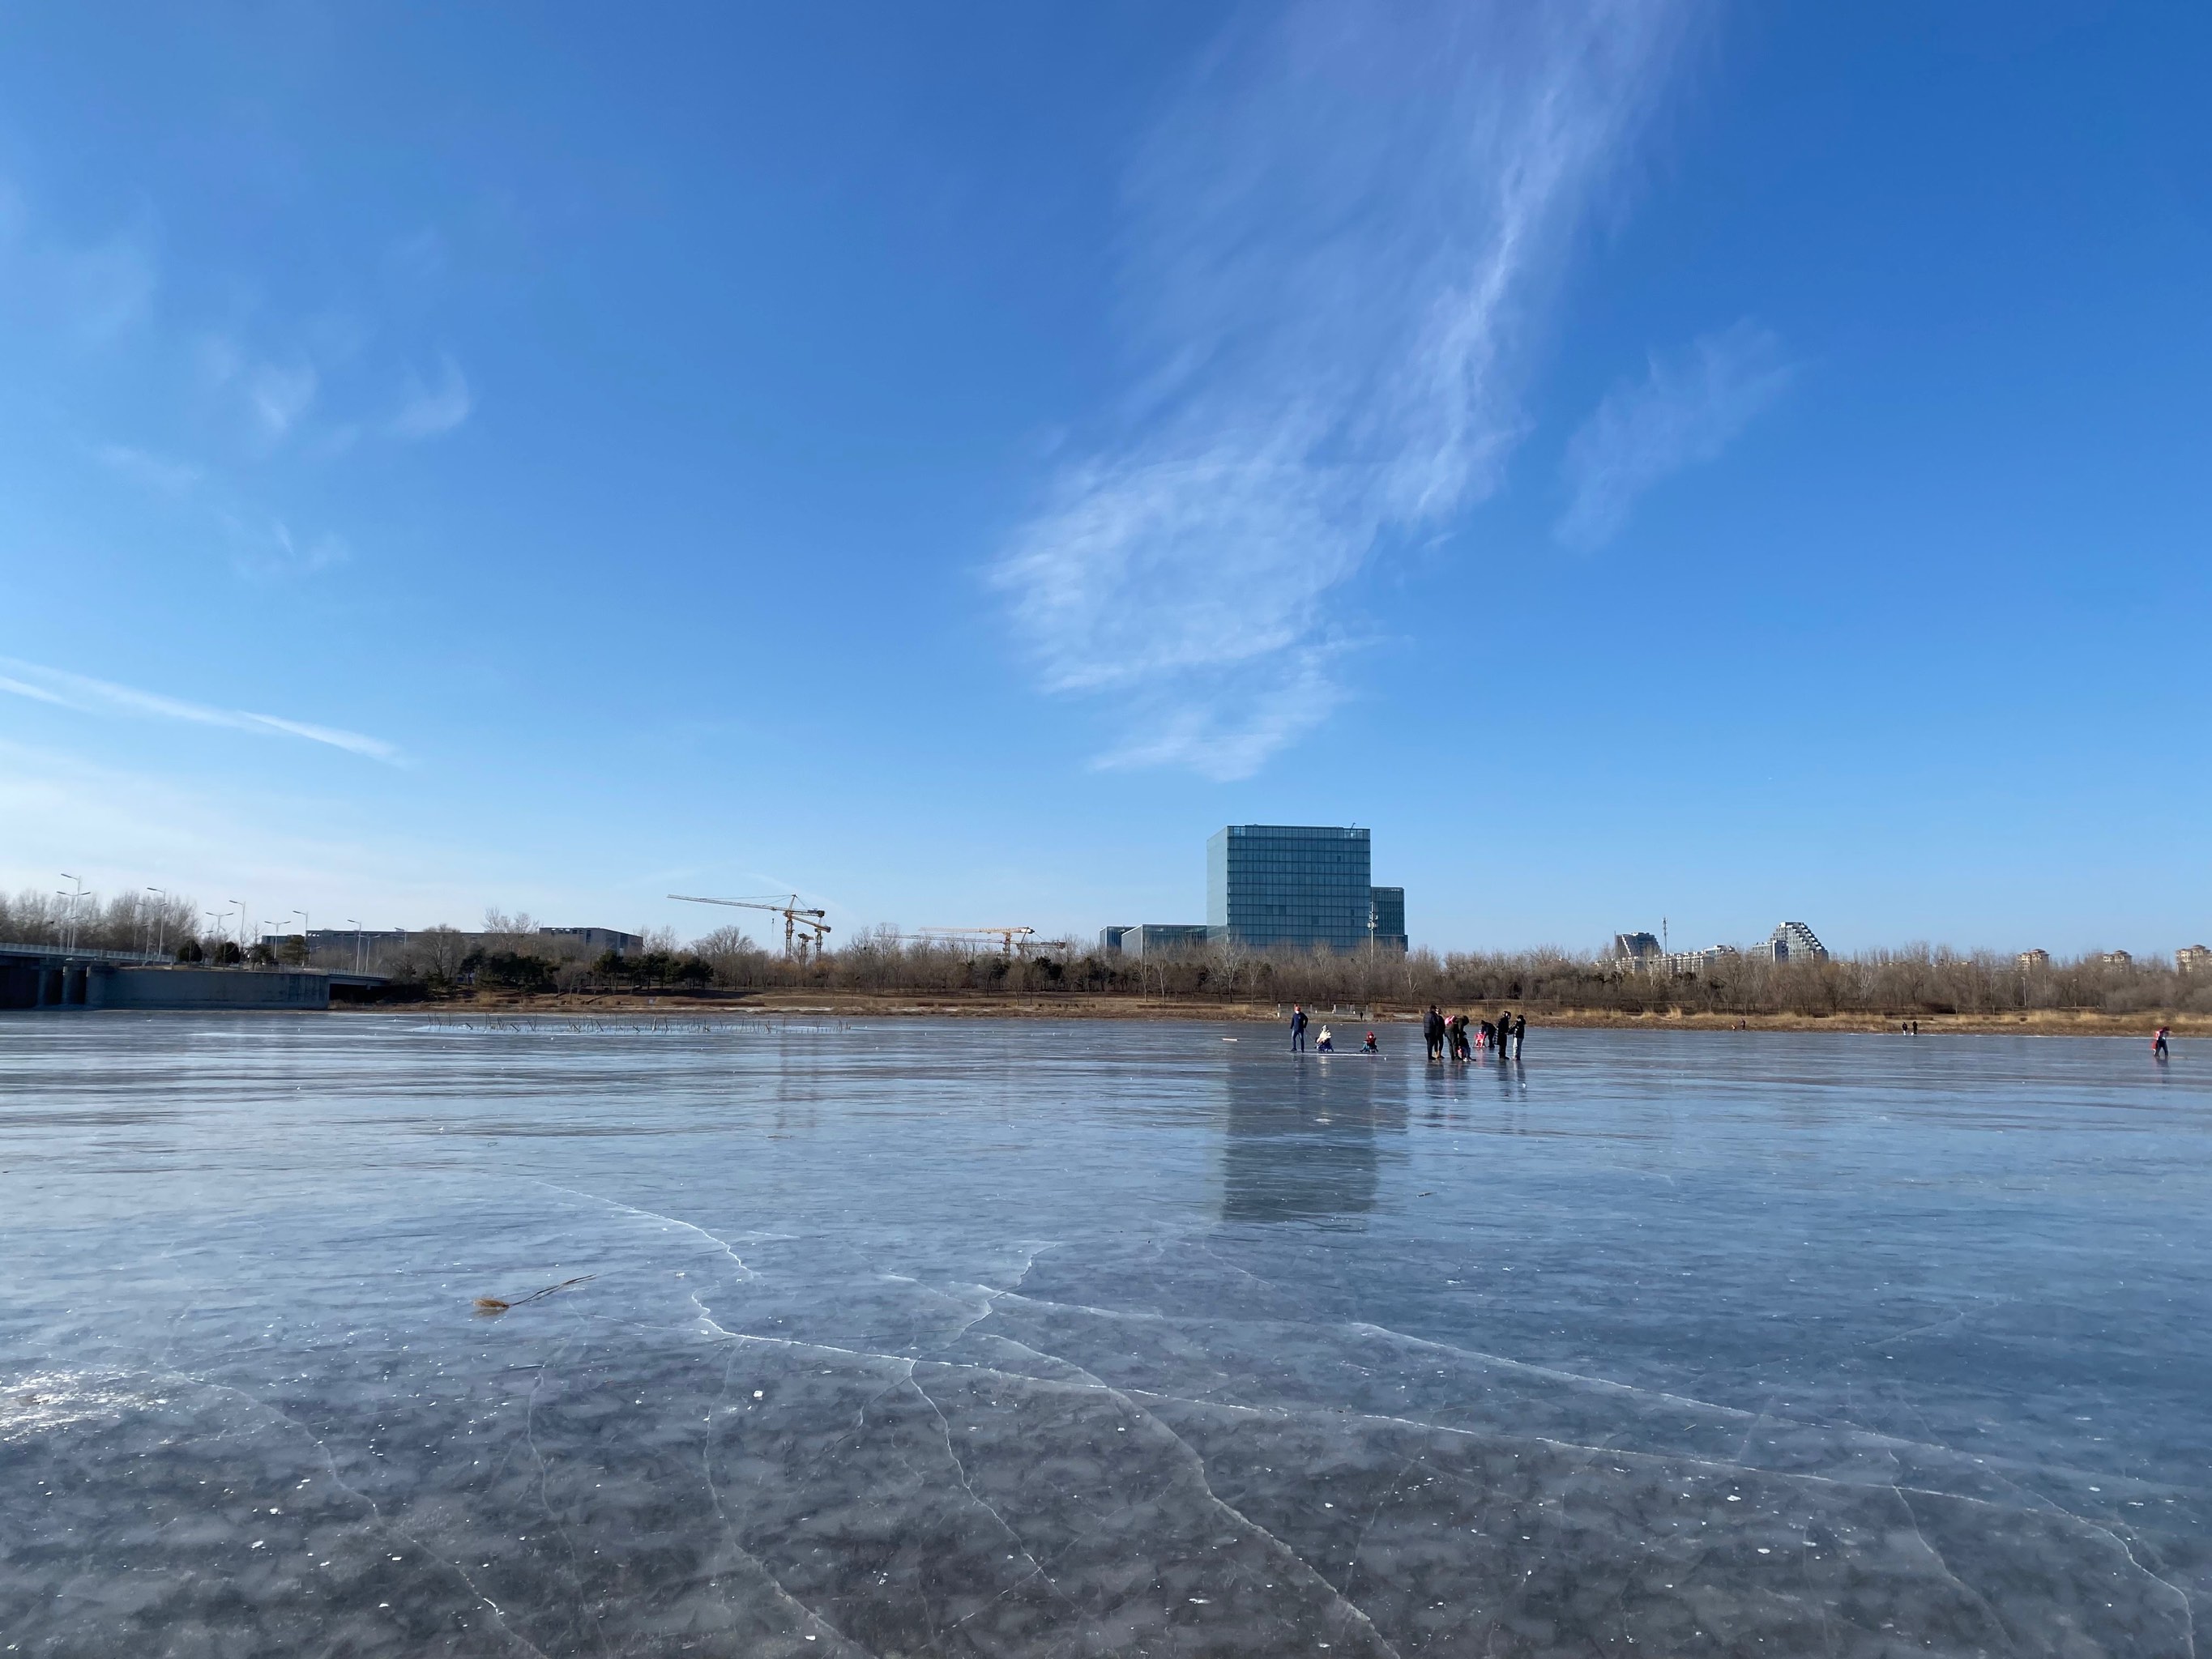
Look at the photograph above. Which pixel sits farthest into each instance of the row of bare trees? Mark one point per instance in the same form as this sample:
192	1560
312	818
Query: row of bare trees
152	923
1914	980
508	953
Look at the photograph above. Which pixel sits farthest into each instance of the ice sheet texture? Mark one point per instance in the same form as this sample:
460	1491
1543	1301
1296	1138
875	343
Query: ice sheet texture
1016	1339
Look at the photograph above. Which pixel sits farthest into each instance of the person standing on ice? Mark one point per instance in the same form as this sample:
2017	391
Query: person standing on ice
1297	1027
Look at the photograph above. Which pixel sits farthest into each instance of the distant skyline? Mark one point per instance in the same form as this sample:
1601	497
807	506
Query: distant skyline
1640	460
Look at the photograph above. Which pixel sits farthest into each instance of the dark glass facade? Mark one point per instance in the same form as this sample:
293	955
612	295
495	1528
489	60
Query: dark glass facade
1390	905
1289	884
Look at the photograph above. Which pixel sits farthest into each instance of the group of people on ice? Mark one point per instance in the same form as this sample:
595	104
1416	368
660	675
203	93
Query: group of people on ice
1453	1036
1327	1044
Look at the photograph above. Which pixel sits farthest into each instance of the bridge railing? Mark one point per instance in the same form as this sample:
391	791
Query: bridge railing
79	953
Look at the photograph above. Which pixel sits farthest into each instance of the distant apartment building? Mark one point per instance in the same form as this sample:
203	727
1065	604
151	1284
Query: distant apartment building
1304	886
1793	941
2033	961
1636	950
2115	958
2193	959
1698	964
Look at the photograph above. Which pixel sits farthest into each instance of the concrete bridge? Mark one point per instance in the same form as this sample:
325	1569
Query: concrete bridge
58	976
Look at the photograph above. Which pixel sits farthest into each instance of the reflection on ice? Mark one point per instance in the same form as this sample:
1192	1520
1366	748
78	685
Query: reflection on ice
1299	1141
914	1340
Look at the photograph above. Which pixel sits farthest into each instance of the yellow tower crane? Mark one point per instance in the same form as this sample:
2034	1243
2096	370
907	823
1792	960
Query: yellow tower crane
801	927
1010	938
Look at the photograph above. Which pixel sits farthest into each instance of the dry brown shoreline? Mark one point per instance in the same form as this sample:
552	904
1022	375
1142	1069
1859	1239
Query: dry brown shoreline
854	1004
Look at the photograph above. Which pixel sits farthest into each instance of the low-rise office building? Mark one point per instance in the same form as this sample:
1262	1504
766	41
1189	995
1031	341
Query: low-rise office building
589	940
1154	938
596	938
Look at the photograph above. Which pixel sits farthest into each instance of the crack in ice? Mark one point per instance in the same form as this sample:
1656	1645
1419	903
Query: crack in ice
375	1510
1979	1599
806	1614
544	1497
723	1245
960	1471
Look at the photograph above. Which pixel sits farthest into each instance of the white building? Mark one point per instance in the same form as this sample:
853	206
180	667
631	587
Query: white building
1793	941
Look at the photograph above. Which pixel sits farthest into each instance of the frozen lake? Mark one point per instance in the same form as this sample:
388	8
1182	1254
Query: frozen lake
1003	1338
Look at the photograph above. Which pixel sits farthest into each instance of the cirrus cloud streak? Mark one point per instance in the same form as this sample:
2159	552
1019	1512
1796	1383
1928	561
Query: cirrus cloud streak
1334	241
88	696
1686	410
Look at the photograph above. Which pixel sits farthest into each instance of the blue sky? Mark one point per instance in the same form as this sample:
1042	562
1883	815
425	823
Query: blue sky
1722	463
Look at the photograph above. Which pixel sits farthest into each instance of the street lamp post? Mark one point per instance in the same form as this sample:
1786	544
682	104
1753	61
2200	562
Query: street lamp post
68	940
354	922
307	950
161	921
241	924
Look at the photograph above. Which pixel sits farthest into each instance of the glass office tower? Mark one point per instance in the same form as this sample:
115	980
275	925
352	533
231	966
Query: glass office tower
1294	884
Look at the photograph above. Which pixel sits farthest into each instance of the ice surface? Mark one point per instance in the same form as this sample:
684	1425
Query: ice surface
962	1338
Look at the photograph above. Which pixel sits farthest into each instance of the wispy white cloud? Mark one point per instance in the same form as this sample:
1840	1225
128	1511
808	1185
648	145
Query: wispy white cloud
37	693
279	394
431	411
93	292
94	697
272	395
1685	410
141	466
270	549
1217	730
1332	239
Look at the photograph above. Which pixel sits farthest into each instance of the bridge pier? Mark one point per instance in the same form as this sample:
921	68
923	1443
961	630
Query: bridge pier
52	977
